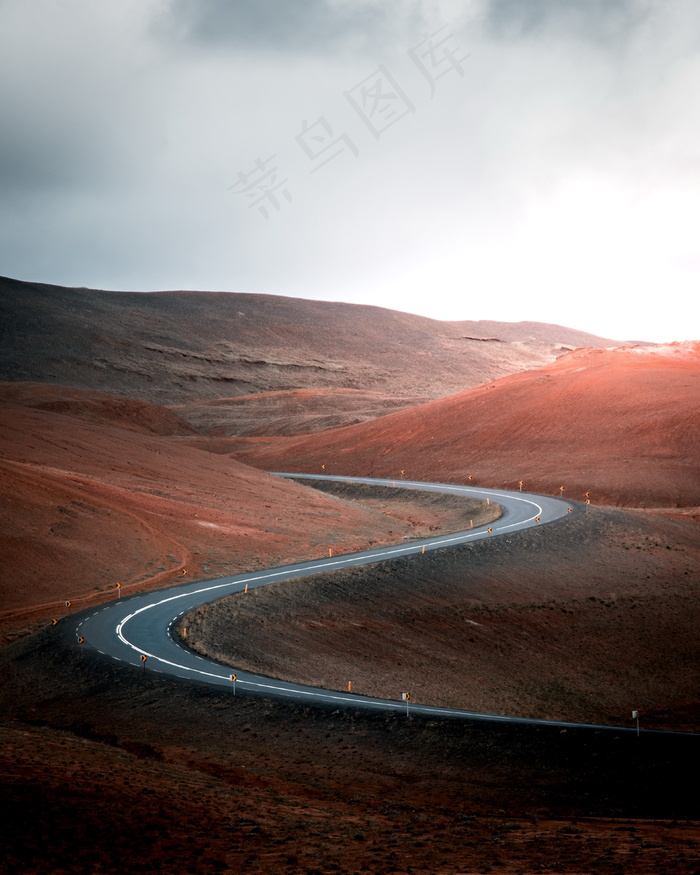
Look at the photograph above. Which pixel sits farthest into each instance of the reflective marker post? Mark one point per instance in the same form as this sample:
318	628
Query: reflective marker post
406	697
233	682
635	716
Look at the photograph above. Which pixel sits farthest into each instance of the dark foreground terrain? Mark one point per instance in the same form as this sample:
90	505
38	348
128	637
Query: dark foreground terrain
582	620
110	770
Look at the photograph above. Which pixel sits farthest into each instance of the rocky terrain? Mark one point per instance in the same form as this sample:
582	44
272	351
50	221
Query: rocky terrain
129	424
288	412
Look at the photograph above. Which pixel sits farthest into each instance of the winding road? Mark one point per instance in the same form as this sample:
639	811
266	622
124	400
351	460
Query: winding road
143	625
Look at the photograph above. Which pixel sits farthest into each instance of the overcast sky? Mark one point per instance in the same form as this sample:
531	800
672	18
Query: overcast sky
482	159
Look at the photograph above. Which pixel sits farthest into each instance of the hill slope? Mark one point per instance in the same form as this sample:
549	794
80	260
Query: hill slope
97	407
172	347
87	504
622	424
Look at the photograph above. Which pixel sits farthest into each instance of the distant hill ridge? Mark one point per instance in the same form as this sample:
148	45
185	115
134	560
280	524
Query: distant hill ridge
174	347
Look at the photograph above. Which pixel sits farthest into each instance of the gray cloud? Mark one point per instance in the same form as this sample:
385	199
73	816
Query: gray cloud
569	139
598	20
301	26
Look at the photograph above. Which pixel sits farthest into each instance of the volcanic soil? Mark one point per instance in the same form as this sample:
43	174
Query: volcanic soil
99	490
584	620
110	769
181	347
107	769
621	424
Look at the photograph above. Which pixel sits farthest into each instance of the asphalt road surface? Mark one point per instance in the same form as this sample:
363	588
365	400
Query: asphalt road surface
138	630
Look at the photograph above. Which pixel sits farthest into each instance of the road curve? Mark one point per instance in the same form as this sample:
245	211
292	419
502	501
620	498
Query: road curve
141	626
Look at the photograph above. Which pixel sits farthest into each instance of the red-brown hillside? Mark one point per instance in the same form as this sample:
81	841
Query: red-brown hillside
294	411
622	424
85	504
97	407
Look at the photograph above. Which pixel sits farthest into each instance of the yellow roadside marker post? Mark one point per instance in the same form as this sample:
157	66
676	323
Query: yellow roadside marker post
233	683
561	492
349	686
520	485
406	697
588	500
119	591
143	660
422	550
184	571
537	519
68	604
81	640
489	529
54	622
246	588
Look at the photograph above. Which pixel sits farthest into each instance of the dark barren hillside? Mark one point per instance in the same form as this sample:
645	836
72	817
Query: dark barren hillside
173	347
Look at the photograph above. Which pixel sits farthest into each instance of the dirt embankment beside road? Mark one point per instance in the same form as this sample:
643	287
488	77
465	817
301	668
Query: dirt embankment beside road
582	620
93	495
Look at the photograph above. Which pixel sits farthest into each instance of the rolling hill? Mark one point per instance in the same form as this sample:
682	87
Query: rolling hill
176	347
622	424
